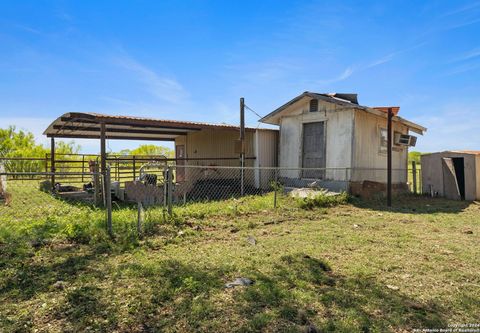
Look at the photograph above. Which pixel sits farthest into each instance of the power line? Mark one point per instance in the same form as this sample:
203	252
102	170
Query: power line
253	111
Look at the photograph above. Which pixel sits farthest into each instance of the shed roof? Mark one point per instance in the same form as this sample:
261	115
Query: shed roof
346	100
87	126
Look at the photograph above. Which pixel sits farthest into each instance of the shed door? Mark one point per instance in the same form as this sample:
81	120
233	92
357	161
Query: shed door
314	149
451	189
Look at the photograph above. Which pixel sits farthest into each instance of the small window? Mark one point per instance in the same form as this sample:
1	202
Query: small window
314	105
383	140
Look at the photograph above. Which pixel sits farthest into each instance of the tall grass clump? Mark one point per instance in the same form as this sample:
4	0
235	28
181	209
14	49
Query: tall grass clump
323	200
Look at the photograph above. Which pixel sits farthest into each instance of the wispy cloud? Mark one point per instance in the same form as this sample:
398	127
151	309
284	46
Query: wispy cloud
347	72
449	129
467	55
28	29
462	9
463	69
163	88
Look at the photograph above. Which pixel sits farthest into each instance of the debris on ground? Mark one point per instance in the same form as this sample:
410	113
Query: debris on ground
252	240
468	232
59	285
392	287
311	192
311	329
240	282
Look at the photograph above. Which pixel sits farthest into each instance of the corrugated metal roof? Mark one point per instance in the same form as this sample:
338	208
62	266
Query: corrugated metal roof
395	109
347	101
88	125
470	152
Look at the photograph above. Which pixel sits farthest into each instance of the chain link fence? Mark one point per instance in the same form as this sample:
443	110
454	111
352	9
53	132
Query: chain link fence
75	202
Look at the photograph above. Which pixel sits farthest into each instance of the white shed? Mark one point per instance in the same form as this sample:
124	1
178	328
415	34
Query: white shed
333	133
452	174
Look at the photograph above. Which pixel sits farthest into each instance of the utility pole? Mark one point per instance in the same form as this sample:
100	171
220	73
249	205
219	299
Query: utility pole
242	144
389	157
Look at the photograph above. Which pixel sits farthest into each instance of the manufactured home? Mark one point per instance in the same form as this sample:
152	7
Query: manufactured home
341	142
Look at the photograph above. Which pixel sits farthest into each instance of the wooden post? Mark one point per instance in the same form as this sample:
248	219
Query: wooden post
134	168
389	157
52	161
83	166
414	176
242	143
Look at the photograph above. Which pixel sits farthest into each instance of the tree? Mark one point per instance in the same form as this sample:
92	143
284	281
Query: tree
414	156
150	150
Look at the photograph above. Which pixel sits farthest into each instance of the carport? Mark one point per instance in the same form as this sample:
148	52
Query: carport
77	125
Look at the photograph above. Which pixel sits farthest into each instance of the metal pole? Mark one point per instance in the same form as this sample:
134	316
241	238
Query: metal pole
170	190
275	188
108	200
103	158
389	157
242	142
52	161
414	176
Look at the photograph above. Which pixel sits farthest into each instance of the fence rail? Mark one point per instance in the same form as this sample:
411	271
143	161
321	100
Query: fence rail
159	188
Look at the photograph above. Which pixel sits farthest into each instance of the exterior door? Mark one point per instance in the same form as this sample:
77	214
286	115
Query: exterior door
180	162
451	189
313	155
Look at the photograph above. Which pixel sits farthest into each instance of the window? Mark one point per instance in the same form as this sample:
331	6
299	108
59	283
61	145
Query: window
314	105
383	140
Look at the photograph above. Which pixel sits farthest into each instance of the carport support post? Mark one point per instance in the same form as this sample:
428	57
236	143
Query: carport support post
52	161
389	157
242	143
103	159
414	176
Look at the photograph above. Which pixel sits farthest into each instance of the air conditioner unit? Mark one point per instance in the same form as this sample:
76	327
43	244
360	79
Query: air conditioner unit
405	140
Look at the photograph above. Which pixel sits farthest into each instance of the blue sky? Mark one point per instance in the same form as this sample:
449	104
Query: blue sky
192	60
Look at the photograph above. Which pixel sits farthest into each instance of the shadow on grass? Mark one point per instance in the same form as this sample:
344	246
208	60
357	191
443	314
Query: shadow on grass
153	296
284	300
413	204
299	293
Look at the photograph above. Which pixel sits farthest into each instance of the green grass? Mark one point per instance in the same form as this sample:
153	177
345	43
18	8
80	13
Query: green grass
355	267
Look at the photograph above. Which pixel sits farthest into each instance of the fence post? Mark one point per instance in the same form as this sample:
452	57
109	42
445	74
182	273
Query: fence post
414	176
134	168
108	200
139	219
275	187
169	189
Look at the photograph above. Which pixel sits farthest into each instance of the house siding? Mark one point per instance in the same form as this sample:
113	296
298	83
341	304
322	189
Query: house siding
338	133
367	155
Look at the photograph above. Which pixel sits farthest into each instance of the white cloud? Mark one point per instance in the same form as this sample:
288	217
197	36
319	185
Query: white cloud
163	88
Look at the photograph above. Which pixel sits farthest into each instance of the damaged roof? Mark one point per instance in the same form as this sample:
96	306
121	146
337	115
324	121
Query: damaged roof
348	100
